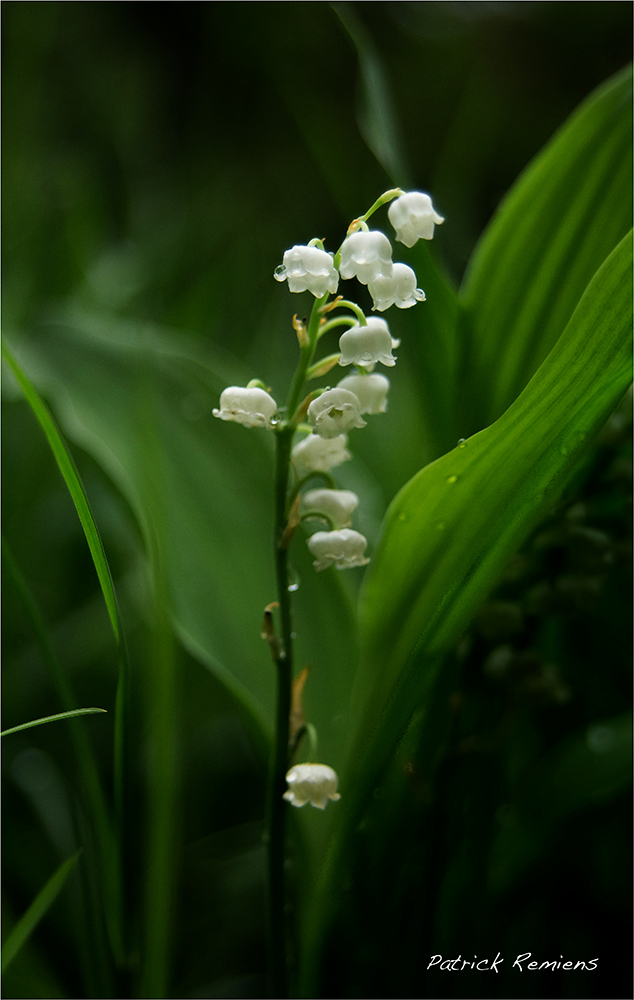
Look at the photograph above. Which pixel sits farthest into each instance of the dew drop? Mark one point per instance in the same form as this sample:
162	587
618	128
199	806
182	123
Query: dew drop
462	443
402	517
279	273
452	479
440	525
293	579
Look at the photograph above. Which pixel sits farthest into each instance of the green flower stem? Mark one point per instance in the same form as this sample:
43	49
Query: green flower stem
359	313
276	805
306	356
339	321
276	811
383	200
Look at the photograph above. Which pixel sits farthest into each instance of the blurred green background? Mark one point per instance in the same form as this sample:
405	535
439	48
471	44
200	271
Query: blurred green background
158	158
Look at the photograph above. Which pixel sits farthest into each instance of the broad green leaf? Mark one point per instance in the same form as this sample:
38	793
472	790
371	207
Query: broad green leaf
27	923
71	477
51	718
448	533
561	219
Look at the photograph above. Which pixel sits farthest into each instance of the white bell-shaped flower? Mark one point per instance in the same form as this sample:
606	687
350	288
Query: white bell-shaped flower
413	217
308	268
317	454
365	345
343	548
251	407
337	505
366	256
398	290
370	390
314	783
334	412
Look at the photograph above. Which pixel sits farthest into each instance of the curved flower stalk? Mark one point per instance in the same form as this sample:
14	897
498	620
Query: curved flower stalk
342	549
314	783
365	345
335	505
319	454
399	289
307	268
371	391
252	407
335	412
413	217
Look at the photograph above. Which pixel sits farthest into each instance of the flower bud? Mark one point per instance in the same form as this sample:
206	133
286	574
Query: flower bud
370	390
399	289
314	783
308	268
335	504
318	454
334	412
413	217
344	548
251	407
366	256
365	345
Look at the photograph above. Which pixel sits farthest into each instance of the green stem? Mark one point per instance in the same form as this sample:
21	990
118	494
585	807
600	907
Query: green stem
306	356
280	752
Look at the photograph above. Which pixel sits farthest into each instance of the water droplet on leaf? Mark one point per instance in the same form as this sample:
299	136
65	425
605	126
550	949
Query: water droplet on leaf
452	479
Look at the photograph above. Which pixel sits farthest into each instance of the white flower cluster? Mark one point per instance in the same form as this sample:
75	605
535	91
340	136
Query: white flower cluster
367	256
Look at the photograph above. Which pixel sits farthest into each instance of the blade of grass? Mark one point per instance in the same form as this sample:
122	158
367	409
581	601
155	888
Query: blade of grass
69	471
52	718
42	902
72	479
108	857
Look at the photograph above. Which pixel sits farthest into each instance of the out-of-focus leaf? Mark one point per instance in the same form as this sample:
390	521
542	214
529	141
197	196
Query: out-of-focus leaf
447	534
217	503
558	224
44	899
377	114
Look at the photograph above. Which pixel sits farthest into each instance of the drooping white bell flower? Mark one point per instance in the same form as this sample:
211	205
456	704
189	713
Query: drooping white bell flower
314	783
365	345
318	454
398	290
370	390
337	505
343	548
251	407
308	268
413	217
366	255
334	412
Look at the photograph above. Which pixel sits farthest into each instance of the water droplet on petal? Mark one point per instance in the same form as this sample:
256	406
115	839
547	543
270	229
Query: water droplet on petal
279	273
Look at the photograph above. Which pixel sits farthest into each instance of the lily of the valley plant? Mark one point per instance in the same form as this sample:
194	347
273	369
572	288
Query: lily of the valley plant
312	439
